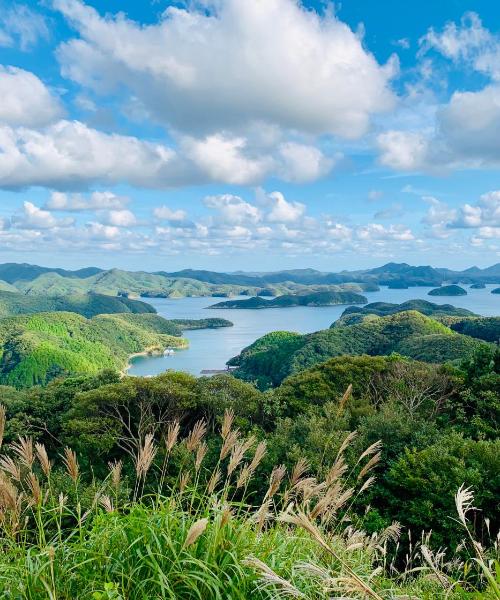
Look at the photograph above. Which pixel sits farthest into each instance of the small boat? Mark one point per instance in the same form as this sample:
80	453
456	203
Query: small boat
168	352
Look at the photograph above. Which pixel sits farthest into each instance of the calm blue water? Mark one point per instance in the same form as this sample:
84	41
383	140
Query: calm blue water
211	348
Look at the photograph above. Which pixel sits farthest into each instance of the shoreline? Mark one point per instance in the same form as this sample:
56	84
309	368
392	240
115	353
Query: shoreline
152	351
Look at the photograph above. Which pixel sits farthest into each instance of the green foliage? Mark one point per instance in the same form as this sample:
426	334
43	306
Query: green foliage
448	290
40	347
87	305
483	328
408	333
190	536
382	309
214	323
421	483
324	298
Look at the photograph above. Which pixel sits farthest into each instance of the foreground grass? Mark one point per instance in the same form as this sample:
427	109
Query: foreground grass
203	535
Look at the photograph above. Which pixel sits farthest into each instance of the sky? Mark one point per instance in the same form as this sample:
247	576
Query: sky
249	134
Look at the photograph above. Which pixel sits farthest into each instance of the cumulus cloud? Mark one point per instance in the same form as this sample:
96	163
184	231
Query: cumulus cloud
233	209
468	42
466	130
223	159
302	163
482	217
119	218
33	217
268	222
70	154
204	71
25	99
377	232
60	201
164	213
21	27
281	210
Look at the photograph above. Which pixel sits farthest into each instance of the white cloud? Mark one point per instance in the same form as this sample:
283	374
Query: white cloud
403	150
302	163
68	154
164	213
233	209
33	217
439	213
483	217
25	100
223	159
119	218
469	42
282	211
21	27
465	132
486	213
60	201
98	231
203	71
375	231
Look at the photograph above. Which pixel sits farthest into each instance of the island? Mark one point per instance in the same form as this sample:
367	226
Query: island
288	300
448	290
496	291
478	286
37	348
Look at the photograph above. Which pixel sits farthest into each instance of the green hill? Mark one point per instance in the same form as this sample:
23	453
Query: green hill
37	348
7	287
483	328
277	355
448	290
87	305
313	299
355	314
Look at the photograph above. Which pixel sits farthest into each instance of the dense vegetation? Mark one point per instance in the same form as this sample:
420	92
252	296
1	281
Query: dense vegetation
37	348
448	290
87	305
32	279
275	356
341	468
355	314
288	300
215	489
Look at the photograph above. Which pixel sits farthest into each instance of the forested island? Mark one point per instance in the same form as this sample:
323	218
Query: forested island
448	290
34	280
289	300
40	347
215	475
275	356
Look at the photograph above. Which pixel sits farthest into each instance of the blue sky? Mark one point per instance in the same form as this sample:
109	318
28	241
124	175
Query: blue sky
237	134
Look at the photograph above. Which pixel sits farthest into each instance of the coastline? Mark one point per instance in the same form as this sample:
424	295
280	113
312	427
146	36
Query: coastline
151	351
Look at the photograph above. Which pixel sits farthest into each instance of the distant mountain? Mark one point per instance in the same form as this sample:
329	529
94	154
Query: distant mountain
87	305
12	272
33	279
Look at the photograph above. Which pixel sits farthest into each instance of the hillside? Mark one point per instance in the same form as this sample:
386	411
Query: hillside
483	328
355	314
37	348
12	272
33	279
273	357
289	300
448	290
87	305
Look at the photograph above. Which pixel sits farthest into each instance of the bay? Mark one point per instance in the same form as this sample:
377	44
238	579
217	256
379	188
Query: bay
211	348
